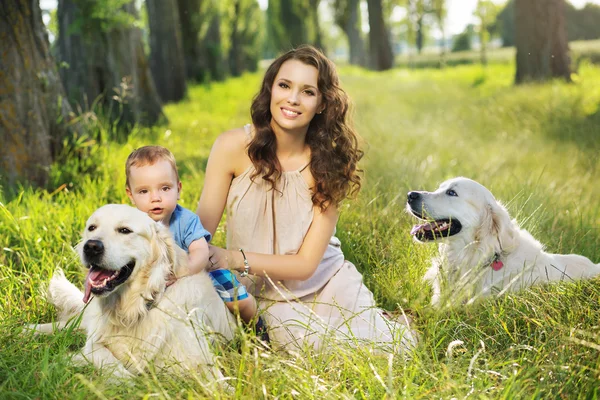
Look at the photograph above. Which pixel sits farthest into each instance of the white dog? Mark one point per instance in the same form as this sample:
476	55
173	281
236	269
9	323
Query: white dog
482	251
133	319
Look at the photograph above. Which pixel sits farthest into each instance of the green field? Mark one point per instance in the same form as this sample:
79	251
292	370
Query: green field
535	147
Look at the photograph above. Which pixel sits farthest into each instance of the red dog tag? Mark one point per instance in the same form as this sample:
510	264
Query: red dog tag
497	265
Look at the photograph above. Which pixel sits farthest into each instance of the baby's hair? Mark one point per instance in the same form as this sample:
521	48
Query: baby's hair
148	155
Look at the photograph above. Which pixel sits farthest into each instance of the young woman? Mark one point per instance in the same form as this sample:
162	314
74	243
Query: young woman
282	179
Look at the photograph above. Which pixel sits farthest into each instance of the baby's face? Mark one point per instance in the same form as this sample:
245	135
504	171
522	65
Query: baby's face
154	189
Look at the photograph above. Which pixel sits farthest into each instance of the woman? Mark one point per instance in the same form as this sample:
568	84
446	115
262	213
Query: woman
282	179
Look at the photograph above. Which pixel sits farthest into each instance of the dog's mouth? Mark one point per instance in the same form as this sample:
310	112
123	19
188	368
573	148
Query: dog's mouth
100	281
435	229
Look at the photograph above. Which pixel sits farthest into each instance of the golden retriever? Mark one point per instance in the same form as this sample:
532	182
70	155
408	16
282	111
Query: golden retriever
482	251
133	319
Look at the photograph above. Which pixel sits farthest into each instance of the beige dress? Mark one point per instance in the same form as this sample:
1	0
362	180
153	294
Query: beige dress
333	304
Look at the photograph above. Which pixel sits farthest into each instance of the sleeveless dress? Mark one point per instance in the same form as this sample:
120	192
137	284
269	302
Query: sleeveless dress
333	304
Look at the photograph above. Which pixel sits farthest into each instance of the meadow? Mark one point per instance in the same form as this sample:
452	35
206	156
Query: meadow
535	147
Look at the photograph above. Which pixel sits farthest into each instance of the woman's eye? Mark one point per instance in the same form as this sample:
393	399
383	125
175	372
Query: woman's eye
283	85
92	228
125	231
310	93
451	192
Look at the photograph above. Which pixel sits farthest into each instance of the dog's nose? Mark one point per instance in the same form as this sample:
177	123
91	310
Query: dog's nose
93	248
412	196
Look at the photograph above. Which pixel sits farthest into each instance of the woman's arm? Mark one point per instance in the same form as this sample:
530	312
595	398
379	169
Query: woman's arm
300	266
227	157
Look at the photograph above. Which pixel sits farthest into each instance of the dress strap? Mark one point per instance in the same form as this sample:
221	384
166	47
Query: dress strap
303	168
248	129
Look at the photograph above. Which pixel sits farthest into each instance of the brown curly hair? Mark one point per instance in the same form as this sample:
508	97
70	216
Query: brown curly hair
333	142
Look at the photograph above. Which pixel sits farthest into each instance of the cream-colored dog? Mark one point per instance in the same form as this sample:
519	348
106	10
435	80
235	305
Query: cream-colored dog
482	251
133	319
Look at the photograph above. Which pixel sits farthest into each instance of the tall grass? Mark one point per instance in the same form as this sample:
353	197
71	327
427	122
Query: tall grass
534	146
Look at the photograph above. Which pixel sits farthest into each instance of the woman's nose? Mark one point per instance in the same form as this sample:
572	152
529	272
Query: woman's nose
293	97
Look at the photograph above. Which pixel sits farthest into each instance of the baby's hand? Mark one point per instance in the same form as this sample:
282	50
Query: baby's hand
171	279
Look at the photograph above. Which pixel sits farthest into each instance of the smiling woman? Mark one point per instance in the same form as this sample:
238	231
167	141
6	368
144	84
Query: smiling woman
282	179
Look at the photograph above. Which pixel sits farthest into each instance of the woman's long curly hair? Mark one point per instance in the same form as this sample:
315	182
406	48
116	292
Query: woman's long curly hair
333	142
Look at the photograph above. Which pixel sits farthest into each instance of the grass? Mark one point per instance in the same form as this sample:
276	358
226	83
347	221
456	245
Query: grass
534	146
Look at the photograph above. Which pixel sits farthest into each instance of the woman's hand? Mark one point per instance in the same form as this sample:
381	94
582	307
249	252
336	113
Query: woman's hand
219	258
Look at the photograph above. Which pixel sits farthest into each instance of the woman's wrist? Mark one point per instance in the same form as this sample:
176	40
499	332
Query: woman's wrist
238	260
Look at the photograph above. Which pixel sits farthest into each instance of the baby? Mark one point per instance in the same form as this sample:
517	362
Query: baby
154	187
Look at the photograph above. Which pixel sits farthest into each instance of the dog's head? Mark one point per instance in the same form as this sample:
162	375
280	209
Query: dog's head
460	207
124	248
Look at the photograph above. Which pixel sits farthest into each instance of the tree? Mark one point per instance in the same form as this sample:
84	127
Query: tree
314	13
582	24
103	58
166	49
380	49
347	17
291	23
34	112
191	25
244	21
541	41
486	11
438	8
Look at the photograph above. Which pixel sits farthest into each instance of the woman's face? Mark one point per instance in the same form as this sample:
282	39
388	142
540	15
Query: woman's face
295	98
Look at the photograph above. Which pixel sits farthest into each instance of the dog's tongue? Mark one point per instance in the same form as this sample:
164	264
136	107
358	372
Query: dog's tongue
417	228
94	274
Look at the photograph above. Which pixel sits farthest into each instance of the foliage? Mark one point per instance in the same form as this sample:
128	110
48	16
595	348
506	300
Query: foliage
534	146
290	24
101	16
243	24
462	41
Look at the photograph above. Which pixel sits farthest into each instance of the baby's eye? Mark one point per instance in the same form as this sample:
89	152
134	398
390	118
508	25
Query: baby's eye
143	191
451	192
125	231
92	228
166	188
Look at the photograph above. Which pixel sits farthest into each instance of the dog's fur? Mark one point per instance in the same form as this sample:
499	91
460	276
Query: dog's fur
482	251
138	321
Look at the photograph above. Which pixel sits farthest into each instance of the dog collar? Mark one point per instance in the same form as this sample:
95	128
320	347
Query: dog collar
497	264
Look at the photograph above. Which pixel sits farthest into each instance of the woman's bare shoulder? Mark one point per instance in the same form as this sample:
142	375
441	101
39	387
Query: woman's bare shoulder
231	145
234	139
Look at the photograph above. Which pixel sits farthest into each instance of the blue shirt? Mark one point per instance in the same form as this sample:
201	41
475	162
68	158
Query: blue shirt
186	227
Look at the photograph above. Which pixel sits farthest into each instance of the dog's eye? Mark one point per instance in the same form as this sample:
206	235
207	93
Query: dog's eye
125	231
92	228
451	192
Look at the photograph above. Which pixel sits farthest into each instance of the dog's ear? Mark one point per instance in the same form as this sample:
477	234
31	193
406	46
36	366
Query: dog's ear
497	224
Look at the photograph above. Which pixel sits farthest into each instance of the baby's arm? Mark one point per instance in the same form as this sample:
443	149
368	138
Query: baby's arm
197	258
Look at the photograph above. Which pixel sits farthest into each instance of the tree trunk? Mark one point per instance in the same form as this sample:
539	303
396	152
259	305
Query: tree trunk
34	112
420	36
314	7
212	48
380	49
166	51
108	65
353	31
235	51
541	41
189	15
